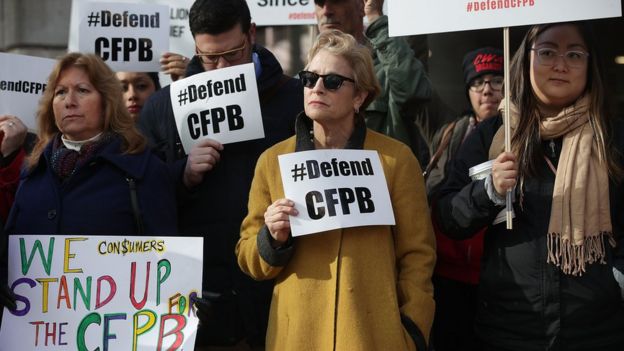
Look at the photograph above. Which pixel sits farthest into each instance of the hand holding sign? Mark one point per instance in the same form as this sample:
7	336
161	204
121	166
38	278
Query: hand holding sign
174	65
12	133
202	158
277	220
504	172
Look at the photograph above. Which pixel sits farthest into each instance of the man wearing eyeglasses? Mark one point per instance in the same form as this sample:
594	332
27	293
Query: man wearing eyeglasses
457	269
215	179
401	75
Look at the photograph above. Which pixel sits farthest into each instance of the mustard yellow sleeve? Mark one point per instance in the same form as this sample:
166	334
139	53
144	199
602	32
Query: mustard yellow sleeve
256	257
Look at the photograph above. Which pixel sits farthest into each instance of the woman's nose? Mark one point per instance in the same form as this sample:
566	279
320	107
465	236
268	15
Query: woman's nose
70	98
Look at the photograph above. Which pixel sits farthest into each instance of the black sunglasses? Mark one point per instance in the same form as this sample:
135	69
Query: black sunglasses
331	81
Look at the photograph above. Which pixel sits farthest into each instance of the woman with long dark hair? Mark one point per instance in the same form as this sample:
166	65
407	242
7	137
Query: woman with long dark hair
549	283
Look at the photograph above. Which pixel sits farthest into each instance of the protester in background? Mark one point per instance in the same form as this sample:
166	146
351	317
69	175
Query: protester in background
401	75
89	172
15	144
547	284
360	288
458	263
137	87
215	179
483	76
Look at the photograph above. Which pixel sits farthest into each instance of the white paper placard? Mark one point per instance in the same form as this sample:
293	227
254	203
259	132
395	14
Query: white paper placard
180	38
221	104
22	81
106	292
127	36
282	12
412	17
335	189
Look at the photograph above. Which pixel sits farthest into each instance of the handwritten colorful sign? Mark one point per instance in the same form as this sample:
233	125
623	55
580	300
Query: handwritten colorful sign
102	292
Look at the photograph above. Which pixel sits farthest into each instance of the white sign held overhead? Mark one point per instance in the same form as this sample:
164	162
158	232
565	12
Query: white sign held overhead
335	189
220	104
128	37
412	17
22	81
282	12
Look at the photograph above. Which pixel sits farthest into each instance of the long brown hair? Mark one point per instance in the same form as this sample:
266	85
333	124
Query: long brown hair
116	117
526	141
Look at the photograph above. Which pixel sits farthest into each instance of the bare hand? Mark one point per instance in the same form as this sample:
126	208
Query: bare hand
277	221
202	158
504	172
373	9
12	133
174	65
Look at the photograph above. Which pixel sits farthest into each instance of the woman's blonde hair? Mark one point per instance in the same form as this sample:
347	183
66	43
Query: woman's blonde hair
117	120
358	56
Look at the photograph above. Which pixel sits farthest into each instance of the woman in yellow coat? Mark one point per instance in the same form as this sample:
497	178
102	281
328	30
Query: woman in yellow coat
360	288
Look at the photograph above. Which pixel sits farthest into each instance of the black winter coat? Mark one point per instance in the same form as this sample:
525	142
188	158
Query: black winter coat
525	303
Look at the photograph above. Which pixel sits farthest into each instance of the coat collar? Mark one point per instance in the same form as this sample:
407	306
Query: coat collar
134	165
304	134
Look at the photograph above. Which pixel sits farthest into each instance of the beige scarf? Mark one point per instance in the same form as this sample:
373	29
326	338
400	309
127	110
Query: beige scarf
580	213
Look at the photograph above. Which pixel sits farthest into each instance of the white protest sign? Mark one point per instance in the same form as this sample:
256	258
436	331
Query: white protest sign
335	189
22	81
102	292
411	17
180	38
221	104
128	37
282	12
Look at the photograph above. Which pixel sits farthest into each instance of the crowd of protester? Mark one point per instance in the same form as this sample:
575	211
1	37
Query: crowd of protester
448	275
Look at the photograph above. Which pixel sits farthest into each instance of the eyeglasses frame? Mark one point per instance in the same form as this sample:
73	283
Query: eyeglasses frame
557	54
489	81
218	55
323	76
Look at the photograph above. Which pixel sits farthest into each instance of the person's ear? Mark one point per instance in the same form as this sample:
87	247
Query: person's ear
252	33
358	99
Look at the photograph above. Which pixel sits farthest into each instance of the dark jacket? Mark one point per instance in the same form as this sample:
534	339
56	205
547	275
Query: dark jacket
525	303
457	259
215	208
402	77
95	200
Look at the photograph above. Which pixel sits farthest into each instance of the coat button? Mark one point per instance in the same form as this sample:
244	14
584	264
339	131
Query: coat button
51	214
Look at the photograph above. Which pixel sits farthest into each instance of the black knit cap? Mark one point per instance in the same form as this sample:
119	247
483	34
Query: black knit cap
482	61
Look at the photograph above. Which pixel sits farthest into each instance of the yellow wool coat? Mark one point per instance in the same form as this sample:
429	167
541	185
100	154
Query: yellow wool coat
346	289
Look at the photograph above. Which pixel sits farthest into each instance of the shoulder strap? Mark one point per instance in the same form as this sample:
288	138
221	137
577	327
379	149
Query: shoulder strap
444	143
134	201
